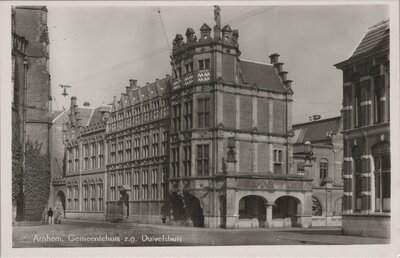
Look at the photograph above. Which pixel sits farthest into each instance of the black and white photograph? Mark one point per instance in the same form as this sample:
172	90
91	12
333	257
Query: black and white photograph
153	128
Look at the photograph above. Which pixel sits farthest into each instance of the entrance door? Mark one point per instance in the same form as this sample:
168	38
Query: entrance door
125	205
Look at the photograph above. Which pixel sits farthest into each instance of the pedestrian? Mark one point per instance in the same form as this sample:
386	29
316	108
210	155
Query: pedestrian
44	215
50	215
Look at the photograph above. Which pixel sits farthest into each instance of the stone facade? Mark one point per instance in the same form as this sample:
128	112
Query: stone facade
318	153
31	104
209	146
366	132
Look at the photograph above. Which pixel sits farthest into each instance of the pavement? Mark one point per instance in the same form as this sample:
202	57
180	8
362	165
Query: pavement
24	234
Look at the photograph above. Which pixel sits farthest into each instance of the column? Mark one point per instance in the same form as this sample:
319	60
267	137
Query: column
269	206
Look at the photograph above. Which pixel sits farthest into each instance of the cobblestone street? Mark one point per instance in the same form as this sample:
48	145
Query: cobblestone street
94	234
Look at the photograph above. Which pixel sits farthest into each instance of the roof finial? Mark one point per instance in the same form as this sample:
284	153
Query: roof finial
217	15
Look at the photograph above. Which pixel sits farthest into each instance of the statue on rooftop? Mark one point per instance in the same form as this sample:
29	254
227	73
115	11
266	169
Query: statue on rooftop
217	15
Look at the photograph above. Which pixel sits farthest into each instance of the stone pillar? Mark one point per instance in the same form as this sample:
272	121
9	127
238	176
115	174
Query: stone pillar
268	213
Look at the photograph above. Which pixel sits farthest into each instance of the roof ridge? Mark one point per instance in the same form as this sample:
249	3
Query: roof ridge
318	121
255	62
379	24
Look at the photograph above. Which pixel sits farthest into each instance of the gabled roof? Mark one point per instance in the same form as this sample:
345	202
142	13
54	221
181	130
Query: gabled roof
262	75
97	114
317	130
377	36
205	27
374	40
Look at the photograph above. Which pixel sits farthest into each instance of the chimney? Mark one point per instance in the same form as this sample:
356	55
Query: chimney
274	58
278	67
189	35
133	83
283	75
86	104
288	83
235	35
73	101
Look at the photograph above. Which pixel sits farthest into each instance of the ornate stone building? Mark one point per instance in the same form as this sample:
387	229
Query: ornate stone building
366	132
210	145
318	153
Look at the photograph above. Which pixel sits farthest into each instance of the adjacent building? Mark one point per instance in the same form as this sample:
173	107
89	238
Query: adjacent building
318	153
366	133
210	145
31	107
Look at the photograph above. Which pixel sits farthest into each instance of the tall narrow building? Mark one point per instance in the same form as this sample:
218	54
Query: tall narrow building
31	108
366	133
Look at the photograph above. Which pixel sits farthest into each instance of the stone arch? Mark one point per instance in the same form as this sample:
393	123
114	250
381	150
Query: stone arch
337	206
317	206
61	202
252	211
286	210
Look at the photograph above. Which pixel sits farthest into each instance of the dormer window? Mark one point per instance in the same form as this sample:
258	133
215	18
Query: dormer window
204	64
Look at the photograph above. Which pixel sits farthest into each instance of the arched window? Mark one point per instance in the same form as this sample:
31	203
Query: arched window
76	196
100	193
92	195
381	155
85	189
69	196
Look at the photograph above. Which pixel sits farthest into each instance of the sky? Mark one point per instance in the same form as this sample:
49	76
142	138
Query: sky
97	49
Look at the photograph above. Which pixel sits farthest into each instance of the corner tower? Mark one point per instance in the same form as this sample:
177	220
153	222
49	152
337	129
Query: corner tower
230	136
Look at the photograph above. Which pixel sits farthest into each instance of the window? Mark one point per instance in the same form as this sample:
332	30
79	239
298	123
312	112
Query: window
187	153
154	146
128	151
278	162
178	72
92	196
145	189
203	113
135	191
69	197
76	196
100	194
120	152
136	150
189	67
76	160
145	147
300	169
175	162
357	105
154	188
204	64
202	160
112	153
176	120
378	94
187	115
101	154
323	169
93	155
164	143
381	155
164	180
356	154
112	187
69	157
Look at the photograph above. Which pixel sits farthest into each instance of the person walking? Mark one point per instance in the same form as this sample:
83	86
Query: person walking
50	215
